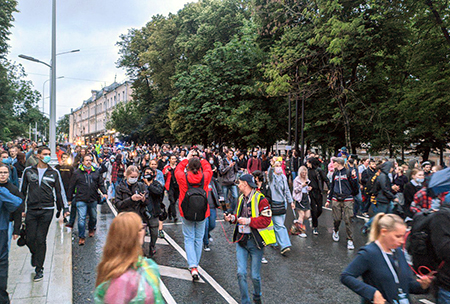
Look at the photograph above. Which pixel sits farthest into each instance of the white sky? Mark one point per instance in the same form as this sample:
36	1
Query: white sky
94	27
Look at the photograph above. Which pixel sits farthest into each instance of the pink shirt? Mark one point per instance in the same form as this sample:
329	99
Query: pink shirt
124	289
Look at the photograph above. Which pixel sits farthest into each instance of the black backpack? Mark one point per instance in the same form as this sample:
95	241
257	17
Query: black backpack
195	202
418	243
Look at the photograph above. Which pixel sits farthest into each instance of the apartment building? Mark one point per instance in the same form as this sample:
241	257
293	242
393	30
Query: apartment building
88	122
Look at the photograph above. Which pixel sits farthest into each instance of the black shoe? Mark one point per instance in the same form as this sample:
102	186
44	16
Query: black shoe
32	261
175	220
257	301
39	275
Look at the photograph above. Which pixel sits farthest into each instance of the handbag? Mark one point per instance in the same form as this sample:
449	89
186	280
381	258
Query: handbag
278	208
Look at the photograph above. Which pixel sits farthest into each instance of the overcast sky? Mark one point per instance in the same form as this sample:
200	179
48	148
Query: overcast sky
94	27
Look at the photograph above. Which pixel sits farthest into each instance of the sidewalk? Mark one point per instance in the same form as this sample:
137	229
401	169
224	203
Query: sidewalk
57	284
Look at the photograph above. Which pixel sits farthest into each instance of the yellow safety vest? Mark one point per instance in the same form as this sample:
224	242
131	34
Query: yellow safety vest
267	234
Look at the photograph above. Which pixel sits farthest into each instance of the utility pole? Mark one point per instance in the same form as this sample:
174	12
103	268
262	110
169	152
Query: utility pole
35	131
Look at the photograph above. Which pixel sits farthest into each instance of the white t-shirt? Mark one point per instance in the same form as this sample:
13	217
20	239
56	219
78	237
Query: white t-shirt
41	174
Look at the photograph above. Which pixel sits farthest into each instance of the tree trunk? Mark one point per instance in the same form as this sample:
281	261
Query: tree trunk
438	20
426	153
441	156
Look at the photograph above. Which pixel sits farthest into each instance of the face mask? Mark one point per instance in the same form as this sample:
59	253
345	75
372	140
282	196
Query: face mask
420	180
6	161
132	180
211	162
278	170
47	159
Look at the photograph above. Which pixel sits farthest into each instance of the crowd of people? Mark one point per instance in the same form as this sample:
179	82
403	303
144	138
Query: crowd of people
254	189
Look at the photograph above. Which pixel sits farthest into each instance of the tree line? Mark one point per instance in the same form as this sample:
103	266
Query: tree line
18	100
223	72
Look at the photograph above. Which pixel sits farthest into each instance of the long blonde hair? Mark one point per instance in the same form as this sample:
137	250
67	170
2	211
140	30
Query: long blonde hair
301	169
384	221
122	248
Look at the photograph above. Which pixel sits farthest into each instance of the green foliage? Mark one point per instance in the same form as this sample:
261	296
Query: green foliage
221	71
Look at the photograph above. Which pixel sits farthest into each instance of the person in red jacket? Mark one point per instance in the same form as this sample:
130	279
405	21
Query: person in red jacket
254	163
193	170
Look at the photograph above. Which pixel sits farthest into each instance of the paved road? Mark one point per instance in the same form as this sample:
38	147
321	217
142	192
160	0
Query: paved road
310	274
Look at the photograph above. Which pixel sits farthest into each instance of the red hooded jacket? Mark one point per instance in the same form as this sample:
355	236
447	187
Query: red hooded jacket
193	179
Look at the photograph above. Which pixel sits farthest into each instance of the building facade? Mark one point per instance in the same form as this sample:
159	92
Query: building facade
88	123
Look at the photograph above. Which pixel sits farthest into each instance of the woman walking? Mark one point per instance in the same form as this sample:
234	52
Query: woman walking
386	275
124	276
300	195
281	195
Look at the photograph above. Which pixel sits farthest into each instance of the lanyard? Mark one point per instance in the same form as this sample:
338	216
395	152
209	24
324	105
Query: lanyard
388	262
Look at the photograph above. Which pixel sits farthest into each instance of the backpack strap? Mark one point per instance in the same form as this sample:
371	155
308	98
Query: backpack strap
202	183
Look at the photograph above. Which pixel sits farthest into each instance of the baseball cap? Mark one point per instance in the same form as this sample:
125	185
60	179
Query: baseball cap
249	179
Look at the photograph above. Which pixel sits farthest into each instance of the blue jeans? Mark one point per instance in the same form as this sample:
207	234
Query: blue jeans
234	195
256	255
10	234
84	208
443	296
385	208
281	232
294	175
357	203
193	240
210	225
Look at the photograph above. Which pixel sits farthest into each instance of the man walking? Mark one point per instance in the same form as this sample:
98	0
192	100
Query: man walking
172	186
87	181
228	169
342	189
40	184
254	230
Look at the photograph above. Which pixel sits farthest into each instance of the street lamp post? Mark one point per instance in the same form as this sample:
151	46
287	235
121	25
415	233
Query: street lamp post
43	91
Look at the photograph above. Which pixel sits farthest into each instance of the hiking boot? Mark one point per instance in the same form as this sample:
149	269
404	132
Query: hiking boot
335	236
81	241
194	274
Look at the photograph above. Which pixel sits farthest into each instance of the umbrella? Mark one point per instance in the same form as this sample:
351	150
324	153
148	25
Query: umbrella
440	181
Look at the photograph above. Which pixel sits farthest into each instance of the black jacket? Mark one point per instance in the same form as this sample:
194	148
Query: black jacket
317	177
66	172
40	196
85	185
265	190
408	194
342	184
383	185
152	204
366	177
16	216
440	239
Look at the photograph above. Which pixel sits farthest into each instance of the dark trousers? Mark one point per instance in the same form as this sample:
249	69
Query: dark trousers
153	225
173	197
73	213
4	298
316	206
38	222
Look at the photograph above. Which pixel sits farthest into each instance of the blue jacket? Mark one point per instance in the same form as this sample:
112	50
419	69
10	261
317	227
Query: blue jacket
8	204
371	265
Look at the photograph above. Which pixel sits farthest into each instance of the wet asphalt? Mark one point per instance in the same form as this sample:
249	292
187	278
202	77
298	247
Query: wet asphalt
309	274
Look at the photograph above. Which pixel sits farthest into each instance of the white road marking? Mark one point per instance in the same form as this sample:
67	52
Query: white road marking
180	223
177	273
426	301
203	273
158	241
165	293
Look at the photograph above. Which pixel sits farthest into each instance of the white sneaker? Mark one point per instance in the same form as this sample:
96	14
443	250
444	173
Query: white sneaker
302	235
335	236
264	261
350	245
211	239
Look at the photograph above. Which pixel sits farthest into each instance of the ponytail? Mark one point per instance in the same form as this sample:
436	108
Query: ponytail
383	221
194	165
